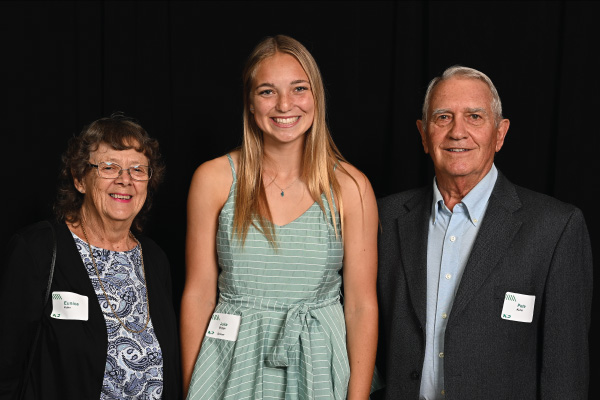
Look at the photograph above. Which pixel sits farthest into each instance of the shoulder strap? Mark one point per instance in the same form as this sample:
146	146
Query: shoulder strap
46	297
51	276
232	167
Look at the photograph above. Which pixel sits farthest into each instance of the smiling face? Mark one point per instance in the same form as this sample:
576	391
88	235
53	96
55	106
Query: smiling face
281	99
461	135
113	200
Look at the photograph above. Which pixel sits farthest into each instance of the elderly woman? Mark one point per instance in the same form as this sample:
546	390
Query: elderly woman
109	329
275	226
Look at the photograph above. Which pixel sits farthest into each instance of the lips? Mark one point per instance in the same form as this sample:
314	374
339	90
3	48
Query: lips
457	150
121	196
285	121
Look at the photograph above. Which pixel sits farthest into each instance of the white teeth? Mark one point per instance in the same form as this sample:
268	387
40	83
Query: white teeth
457	150
289	120
118	196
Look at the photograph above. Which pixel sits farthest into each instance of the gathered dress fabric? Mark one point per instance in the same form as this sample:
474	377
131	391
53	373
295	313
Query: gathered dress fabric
292	336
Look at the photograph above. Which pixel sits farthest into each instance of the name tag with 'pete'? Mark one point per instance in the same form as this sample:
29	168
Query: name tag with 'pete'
224	326
518	307
68	305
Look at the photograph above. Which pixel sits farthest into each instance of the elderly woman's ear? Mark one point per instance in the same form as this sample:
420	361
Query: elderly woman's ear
79	185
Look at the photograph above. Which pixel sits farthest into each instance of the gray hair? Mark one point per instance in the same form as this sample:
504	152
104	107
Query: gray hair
468	73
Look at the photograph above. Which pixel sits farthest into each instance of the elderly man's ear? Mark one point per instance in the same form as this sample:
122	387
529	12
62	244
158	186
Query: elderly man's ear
501	133
423	136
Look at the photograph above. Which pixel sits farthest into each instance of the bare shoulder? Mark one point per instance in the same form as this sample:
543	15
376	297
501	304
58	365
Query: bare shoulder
212	180
349	177
360	212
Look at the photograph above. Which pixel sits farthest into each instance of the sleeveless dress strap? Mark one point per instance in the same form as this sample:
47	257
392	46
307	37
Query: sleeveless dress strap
331	189
232	167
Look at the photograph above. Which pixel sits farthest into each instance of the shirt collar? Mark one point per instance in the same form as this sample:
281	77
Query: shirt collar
475	202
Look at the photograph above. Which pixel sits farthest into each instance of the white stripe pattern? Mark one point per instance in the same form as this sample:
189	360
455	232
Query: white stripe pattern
292	337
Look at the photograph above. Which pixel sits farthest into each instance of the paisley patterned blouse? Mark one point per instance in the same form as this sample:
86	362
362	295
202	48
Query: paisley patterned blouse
134	365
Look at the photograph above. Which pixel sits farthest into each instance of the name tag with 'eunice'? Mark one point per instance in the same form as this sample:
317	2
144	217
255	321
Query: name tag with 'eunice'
68	305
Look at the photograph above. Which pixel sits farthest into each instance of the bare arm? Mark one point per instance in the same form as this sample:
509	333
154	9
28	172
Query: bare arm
360	275
208	193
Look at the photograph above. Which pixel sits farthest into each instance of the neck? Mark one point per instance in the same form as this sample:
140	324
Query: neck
283	161
110	235
453	190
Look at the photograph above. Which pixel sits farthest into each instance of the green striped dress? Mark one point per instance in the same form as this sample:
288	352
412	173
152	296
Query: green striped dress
292	337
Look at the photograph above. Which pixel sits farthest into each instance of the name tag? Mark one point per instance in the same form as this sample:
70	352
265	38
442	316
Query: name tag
224	326
68	305
518	307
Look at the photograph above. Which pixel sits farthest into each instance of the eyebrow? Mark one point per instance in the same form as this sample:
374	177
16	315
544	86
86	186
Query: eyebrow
115	161
476	110
441	111
469	110
265	85
271	85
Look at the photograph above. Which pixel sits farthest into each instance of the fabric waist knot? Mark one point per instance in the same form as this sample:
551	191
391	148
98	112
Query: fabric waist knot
300	322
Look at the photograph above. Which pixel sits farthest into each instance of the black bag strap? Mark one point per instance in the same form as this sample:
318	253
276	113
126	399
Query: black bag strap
51	263
46	297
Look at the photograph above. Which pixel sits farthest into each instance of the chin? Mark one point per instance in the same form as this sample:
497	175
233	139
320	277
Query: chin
121	217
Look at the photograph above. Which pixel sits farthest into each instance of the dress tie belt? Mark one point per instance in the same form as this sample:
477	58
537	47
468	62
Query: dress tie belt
293	345
297	321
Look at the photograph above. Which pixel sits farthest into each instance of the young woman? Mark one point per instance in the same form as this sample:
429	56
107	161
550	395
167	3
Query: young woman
270	227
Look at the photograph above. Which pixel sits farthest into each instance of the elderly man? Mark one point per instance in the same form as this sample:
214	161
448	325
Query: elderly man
484	287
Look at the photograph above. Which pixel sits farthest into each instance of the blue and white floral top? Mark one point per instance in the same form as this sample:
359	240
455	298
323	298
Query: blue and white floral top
134	364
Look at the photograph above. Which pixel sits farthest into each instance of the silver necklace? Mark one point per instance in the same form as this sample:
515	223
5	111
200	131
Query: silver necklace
279	187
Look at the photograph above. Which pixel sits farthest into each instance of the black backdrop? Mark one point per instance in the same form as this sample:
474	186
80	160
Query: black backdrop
176	67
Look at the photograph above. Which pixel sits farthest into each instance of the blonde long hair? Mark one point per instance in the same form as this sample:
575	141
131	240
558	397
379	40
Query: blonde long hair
320	153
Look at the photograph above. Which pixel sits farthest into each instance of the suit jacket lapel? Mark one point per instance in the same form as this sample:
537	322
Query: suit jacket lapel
413	228
497	231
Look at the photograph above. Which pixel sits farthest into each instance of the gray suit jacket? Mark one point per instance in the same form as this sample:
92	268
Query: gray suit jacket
528	243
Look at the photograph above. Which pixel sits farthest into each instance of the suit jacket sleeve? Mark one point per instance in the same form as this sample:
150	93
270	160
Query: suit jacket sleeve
565	318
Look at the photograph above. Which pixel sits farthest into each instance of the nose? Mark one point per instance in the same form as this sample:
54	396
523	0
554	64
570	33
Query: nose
458	130
284	103
124	177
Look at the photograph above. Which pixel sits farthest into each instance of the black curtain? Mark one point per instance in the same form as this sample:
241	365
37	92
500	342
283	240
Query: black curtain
176	67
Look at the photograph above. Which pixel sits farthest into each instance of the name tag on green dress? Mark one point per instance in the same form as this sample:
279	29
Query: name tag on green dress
224	326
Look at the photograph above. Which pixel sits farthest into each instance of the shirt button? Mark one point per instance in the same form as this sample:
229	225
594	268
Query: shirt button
452	238
475	220
448	276
444	315
441	355
443	392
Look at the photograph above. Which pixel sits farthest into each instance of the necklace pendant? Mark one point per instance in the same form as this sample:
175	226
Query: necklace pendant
282	193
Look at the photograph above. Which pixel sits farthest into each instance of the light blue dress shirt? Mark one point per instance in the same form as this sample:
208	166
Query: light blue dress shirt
450	240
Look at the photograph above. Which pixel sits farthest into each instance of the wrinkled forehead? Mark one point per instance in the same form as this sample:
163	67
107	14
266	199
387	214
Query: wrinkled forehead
461	93
128	153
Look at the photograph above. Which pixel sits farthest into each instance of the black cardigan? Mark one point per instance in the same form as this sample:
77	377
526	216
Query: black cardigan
71	355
